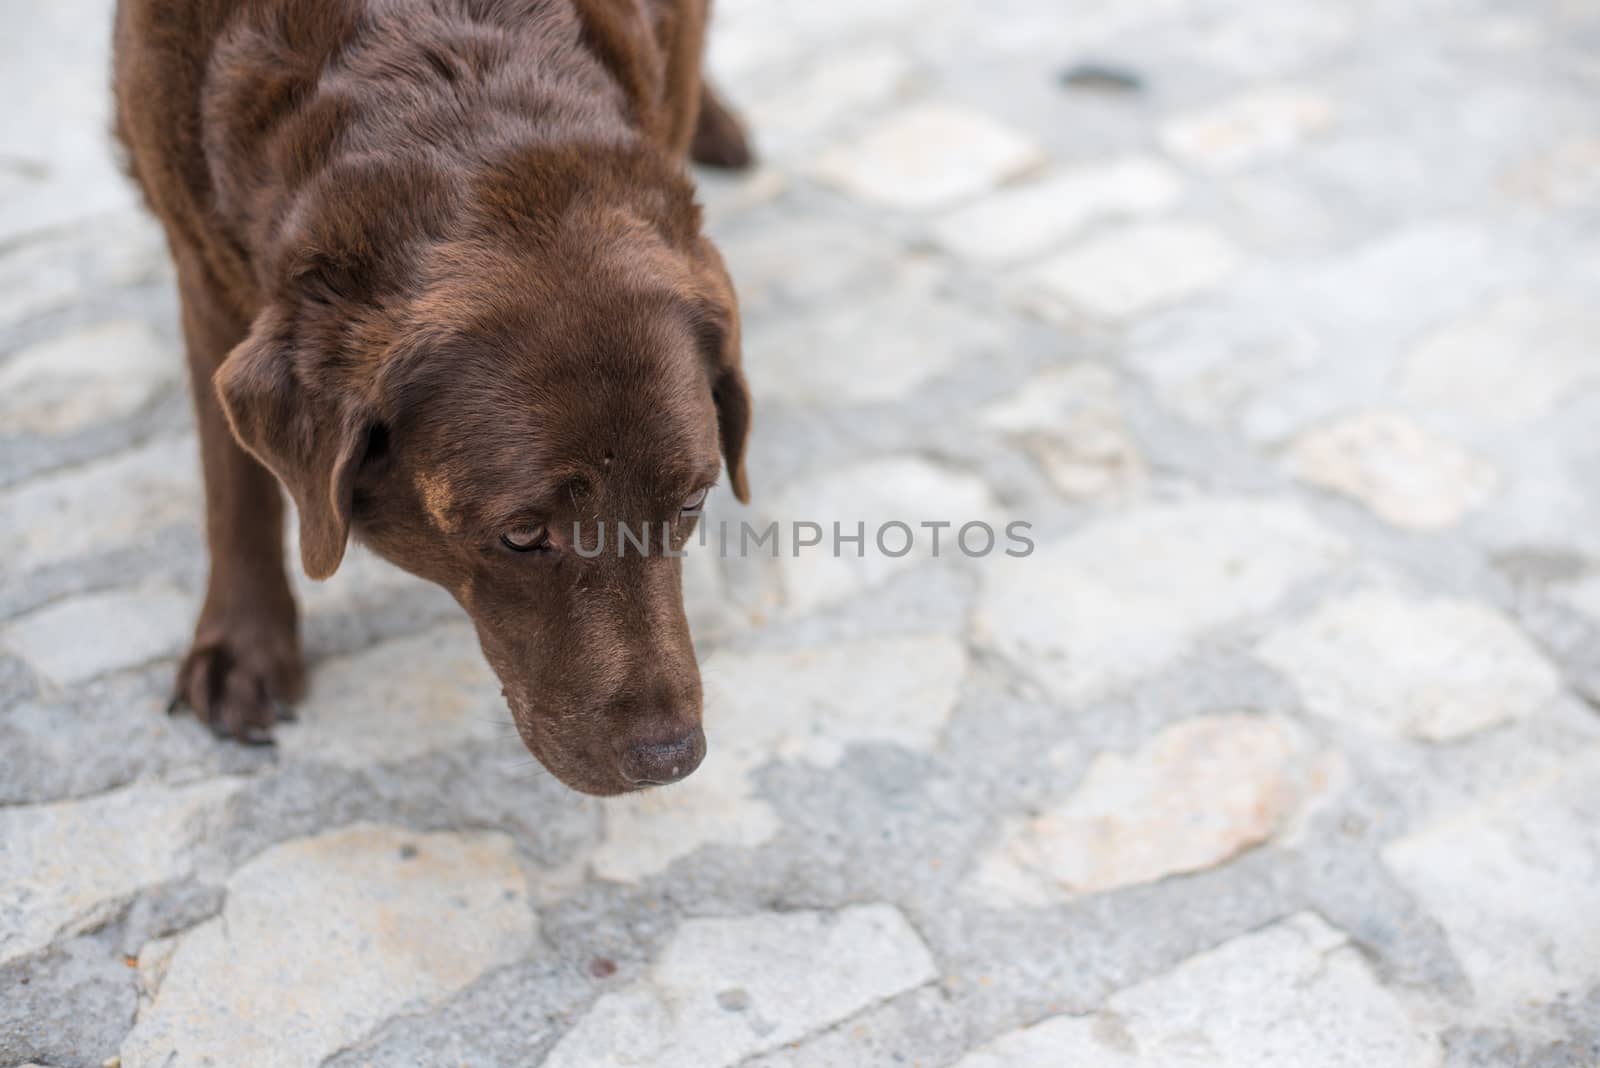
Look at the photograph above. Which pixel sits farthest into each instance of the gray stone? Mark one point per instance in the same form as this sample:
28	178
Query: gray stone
1404	474
917	1027
871	495
1492	1047
1506	364
1266	42
1295	993
509	1017
166	910
364	583
1584	595
1198	794
105	735
1129	595
74	640
1563	177
399	700
97	506
62	864
1506	879
49	272
1304	342
750	39
1248	129
75	381
1137	269
781	263
1071	421
72	173
798	110
1029	219
929	156
69	1006
335	933
741	192
869	953
915	335
1429	668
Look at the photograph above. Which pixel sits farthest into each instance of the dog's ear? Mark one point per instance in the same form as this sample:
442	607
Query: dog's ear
720	330
301	429
732	397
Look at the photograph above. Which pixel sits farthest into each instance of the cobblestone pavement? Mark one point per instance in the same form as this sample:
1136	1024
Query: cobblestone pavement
1281	749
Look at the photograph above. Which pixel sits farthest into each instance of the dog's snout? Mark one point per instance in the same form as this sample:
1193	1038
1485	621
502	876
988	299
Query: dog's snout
658	762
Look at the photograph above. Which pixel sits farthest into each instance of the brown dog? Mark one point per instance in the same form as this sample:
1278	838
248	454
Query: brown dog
442	274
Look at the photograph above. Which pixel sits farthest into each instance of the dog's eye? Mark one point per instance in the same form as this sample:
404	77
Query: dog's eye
694	502
529	540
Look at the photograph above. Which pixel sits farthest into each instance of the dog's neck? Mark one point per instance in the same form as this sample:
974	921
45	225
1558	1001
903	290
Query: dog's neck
342	146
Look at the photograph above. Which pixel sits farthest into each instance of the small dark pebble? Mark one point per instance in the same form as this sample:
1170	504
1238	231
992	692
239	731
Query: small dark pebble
1102	77
408	852
734	1000
602	968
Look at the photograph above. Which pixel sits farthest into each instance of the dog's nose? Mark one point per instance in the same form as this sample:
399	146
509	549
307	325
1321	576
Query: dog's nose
658	763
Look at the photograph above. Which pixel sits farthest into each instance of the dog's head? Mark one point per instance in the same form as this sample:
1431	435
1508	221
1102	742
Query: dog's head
481	402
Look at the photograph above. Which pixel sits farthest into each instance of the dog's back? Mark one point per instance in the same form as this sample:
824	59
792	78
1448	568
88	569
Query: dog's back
222	104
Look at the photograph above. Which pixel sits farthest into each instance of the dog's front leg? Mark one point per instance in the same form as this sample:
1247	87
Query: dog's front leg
244	665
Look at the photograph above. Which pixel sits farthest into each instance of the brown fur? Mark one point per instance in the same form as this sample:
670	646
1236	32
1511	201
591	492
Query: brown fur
442	275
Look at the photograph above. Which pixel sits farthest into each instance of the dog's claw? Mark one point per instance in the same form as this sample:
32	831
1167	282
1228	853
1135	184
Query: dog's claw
241	685
285	712
175	705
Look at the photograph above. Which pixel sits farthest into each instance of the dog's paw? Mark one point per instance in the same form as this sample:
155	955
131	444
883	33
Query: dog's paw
240	679
719	138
